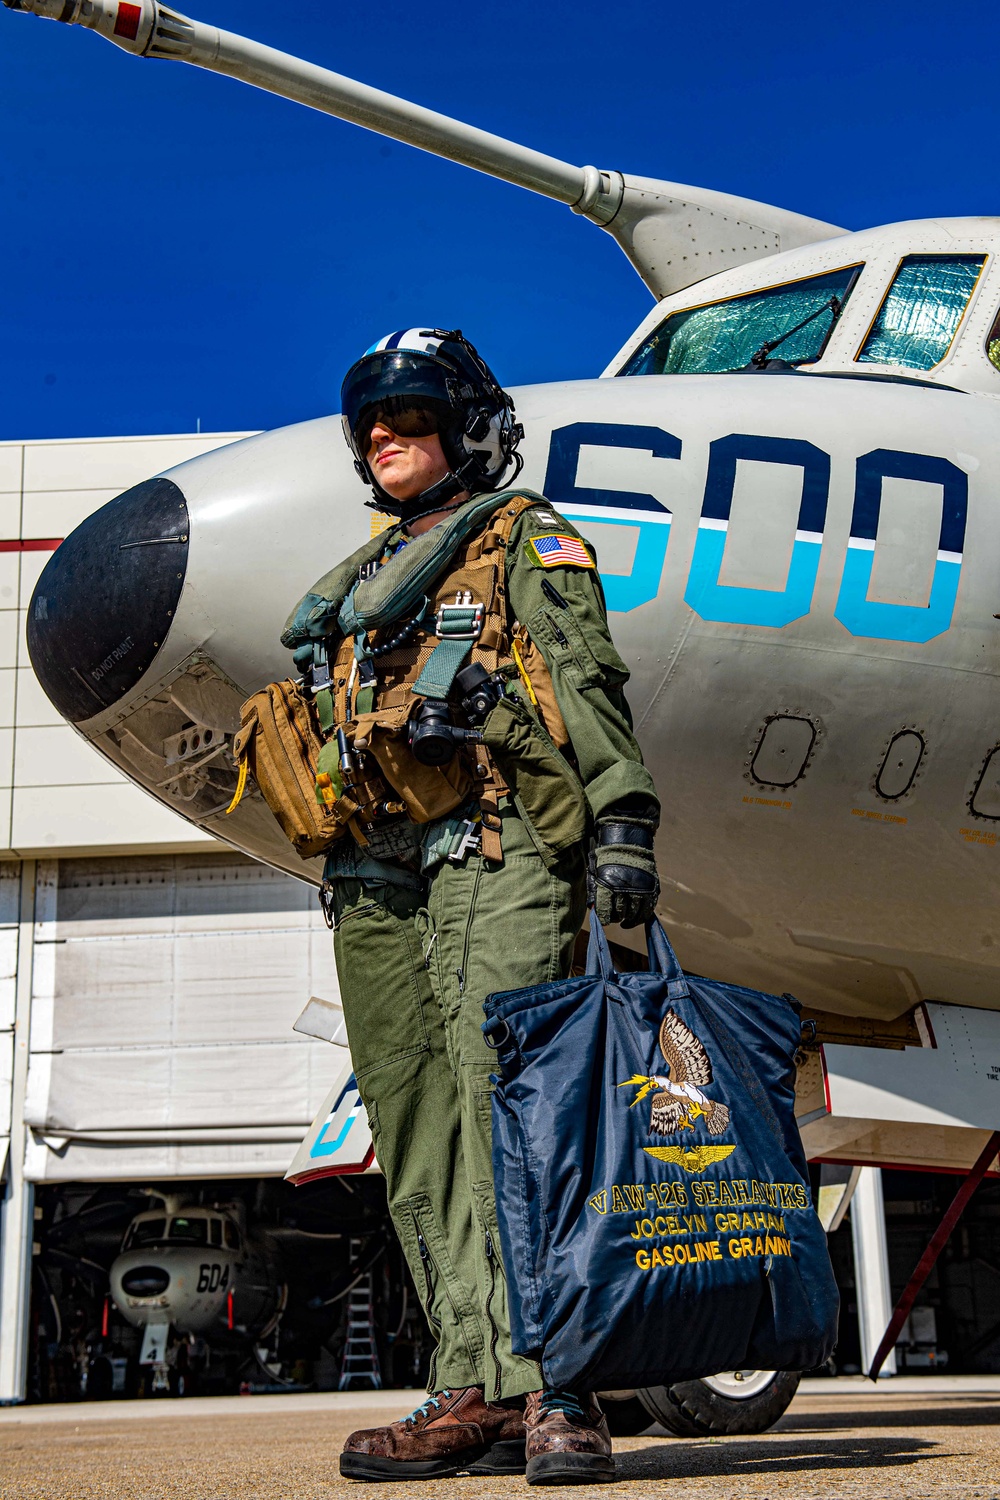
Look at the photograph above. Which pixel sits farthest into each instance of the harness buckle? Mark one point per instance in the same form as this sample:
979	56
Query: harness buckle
467	840
461	621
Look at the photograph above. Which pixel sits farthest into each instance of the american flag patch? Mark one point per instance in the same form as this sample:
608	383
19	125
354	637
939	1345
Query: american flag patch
558	551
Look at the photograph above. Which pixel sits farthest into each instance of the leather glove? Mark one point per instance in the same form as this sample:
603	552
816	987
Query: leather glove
623	883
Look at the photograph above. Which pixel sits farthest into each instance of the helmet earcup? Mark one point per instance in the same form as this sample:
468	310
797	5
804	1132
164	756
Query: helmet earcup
478	424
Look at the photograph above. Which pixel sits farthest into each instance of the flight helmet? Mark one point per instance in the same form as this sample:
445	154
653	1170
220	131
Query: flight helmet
431	380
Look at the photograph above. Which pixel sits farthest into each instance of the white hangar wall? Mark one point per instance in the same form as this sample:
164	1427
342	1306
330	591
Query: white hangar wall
56	793
149	977
164	990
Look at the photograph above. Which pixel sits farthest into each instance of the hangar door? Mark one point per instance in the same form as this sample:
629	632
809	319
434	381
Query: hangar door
163	995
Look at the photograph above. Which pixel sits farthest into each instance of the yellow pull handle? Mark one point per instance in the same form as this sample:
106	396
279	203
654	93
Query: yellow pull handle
516	653
240	787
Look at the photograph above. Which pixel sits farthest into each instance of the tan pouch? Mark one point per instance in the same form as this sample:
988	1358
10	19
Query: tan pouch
547	790
534	672
280	741
429	792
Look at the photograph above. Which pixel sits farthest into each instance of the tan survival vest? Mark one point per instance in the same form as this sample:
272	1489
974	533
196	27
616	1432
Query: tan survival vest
383	777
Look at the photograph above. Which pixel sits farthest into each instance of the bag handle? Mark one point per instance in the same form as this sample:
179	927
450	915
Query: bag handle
662	958
599	960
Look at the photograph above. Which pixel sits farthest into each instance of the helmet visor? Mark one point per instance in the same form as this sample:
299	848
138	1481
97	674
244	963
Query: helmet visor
393	379
404	418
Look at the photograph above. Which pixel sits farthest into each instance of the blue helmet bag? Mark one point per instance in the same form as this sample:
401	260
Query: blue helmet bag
653	1199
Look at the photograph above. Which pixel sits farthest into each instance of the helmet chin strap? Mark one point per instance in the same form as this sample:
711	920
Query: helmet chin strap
425	504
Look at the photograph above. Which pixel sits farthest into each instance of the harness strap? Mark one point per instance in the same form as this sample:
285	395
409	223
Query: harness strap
440	669
324	710
492	646
491	788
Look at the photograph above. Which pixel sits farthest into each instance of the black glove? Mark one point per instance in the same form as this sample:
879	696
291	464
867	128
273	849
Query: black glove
623	884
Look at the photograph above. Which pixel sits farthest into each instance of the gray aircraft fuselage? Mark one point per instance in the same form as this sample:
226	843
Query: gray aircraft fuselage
802	568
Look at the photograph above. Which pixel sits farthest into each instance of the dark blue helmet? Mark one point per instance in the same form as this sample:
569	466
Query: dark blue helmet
440	373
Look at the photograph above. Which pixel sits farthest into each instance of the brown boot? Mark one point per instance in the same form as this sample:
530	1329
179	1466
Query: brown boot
451	1432
568	1441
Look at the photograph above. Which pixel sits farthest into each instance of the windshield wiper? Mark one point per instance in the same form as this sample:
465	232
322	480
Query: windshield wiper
759	360
835	304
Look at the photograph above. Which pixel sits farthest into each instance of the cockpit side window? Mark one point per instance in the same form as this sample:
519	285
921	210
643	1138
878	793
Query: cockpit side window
232	1235
993	342
794	321
215	1231
921	311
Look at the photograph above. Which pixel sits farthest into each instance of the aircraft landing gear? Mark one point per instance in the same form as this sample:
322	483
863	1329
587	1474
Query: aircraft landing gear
737	1401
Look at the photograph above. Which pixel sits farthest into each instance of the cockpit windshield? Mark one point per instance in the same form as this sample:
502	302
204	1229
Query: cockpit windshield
726	336
190	1231
144	1232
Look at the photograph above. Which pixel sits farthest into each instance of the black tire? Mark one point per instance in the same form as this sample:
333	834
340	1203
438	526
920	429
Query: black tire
693	1409
100	1380
625	1418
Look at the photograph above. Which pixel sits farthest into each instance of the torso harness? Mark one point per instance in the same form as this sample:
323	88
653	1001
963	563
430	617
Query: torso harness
410	644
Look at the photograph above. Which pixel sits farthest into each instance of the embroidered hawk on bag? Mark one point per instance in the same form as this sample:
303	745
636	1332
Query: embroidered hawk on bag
680	1099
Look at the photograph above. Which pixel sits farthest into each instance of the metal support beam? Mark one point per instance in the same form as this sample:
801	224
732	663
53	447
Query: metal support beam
871	1266
17	1212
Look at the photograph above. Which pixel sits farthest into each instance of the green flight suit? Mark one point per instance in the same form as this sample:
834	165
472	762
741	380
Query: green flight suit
417	954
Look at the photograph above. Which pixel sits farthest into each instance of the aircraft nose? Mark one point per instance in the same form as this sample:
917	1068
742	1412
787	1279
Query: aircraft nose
106	599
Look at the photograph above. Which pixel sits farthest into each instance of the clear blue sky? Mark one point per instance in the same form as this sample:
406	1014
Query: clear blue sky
177	246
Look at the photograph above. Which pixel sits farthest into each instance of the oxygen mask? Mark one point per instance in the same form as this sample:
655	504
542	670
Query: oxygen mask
434	738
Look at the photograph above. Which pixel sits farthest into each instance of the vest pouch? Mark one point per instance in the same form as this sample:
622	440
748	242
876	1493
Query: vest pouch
534	672
547	790
281	742
430	792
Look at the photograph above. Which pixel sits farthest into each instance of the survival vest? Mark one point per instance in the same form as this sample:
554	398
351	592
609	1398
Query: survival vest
399	634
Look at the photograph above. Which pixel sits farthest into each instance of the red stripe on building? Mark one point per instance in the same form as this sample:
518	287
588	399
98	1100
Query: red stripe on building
30	544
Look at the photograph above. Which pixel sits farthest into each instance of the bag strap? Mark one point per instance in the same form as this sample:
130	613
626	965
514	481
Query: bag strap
663	960
599	960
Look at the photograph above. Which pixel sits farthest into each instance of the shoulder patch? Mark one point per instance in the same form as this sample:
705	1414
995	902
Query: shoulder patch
557	550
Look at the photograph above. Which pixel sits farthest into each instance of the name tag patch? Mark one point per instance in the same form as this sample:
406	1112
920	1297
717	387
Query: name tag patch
557	551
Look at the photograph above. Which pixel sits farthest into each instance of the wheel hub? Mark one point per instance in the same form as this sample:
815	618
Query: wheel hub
740	1385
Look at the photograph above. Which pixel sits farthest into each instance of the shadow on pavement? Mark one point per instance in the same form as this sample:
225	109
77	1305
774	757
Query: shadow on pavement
981	1411
770	1456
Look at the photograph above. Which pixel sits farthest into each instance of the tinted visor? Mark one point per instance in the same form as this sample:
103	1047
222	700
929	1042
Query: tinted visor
390	376
404	418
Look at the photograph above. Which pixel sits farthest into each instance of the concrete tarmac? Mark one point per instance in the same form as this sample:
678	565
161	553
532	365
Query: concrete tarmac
904	1440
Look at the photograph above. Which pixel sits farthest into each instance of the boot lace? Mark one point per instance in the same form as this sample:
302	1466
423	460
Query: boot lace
424	1409
565	1402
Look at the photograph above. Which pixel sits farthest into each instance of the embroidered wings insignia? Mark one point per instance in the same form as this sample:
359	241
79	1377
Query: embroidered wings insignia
692	1159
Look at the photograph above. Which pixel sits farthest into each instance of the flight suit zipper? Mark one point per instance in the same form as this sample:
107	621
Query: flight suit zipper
427	1263
492	1261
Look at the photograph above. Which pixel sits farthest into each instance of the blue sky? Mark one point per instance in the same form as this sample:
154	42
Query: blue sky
180	247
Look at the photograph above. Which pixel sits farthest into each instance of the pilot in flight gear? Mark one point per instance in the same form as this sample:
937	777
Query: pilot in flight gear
480	743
